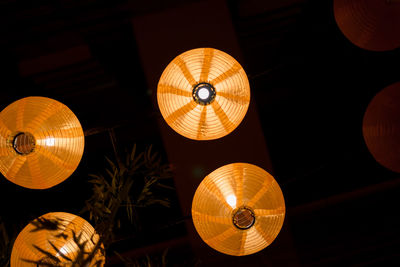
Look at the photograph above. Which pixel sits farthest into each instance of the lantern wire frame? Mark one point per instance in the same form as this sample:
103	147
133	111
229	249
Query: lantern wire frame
57	234
41	142
238	191
183	110
369	24
381	127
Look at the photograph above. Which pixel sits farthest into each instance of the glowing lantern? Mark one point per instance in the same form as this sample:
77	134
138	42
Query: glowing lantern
238	209
370	24
53	233
381	127
41	142
203	94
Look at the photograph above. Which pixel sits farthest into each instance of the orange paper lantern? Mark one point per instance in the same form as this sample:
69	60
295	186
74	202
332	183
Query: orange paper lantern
203	94
370	24
41	142
381	127
238	209
32	243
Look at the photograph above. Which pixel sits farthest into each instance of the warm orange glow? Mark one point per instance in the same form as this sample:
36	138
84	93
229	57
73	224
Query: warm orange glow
238	209
41	142
214	118
61	238
369	24
381	127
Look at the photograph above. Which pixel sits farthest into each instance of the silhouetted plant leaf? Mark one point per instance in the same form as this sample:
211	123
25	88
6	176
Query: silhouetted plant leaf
46	253
41	263
142	171
114	167
59	252
47	224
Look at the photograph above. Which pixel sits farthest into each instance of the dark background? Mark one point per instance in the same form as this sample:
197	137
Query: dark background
310	87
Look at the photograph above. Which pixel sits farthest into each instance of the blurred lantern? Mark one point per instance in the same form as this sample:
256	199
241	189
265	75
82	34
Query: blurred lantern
370	24
203	94
381	127
41	142
54	239
238	209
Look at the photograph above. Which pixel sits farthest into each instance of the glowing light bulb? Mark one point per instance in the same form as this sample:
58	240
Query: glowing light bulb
231	199
50	141
203	93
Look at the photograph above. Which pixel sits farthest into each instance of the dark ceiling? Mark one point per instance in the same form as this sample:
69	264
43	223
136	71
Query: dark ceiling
310	87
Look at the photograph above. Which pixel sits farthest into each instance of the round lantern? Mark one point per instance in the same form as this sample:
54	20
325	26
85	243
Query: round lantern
369	24
203	94
41	142
238	209
381	127
52	239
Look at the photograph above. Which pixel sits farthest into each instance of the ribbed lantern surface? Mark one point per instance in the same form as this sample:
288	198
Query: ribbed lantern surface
238	209
381	127
41	142
370	24
59	242
203	94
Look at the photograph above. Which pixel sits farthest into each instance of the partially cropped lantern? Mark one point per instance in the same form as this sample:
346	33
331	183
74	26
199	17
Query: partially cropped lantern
238	209
57	239
41	142
203	94
370	24
381	127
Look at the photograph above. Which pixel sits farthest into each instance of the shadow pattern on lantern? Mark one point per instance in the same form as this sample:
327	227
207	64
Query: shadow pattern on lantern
58	239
